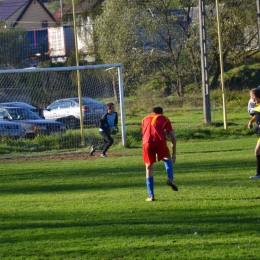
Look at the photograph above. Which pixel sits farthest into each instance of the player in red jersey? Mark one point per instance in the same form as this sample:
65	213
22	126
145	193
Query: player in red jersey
155	145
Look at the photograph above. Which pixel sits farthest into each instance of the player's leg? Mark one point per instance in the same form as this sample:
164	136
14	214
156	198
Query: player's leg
170	172
149	157
98	147
257	154
108	141
163	153
169	168
149	182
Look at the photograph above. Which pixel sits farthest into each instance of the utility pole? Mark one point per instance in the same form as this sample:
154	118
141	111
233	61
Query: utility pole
204	62
78	75
221	67
61	13
258	20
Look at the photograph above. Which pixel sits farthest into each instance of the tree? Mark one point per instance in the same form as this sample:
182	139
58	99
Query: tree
147	37
13	48
238	32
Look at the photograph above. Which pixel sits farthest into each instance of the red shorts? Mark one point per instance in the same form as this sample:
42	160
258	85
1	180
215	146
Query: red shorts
150	150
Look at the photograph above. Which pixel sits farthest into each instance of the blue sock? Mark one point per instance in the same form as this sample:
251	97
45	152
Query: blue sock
149	184
169	168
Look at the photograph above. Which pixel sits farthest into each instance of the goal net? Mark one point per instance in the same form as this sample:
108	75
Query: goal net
73	96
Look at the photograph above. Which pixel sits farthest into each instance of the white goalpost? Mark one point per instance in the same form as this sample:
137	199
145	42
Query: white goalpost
42	86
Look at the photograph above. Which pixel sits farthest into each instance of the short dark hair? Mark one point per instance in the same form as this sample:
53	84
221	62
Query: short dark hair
256	92
110	104
158	110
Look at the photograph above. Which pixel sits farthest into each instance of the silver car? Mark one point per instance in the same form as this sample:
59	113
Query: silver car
36	110
67	111
11	129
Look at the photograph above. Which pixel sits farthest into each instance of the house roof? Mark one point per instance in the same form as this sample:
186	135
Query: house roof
57	15
9	7
87	5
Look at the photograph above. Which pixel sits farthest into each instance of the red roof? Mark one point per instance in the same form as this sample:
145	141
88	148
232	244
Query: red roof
57	15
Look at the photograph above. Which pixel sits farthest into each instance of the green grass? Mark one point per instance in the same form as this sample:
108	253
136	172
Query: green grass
96	209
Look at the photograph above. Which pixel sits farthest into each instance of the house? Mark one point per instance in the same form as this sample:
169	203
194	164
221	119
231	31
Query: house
28	14
65	15
34	18
51	35
85	25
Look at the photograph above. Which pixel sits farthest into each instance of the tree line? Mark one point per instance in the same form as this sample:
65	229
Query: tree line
154	40
157	41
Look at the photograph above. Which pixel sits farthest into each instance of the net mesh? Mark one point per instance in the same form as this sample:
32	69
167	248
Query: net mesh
41	87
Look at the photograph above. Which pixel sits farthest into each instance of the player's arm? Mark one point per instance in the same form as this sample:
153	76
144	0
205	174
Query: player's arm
116	120
173	144
250	107
103	123
250	124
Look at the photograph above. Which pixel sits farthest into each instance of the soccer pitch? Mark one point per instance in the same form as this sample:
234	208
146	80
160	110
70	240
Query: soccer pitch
95	208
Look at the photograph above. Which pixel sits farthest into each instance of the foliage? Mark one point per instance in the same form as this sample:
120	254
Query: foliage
238	34
94	208
243	77
150	38
13	46
53	6
158	45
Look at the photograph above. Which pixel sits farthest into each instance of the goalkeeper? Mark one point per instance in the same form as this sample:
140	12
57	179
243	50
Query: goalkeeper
108	126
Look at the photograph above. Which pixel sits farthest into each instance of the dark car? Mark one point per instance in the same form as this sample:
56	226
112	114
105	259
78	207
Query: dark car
11	129
67	110
34	109
30	122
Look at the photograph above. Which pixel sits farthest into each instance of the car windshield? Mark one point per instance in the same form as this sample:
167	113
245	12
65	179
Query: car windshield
22	114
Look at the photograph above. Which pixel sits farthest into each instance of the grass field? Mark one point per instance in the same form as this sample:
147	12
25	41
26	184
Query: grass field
95	208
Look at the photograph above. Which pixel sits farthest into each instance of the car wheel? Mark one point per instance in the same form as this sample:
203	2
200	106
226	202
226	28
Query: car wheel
30	136
72	123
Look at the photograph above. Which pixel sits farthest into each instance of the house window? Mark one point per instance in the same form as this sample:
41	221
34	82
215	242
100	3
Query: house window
44	24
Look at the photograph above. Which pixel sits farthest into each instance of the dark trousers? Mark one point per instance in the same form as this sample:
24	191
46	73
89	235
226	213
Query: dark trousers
108	141
258	164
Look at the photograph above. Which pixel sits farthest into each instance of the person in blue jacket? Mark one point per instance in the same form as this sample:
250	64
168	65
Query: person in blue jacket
108	126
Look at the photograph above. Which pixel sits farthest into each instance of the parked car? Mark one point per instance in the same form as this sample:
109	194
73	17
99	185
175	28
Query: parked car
67	110
30	122
36	110
11	129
